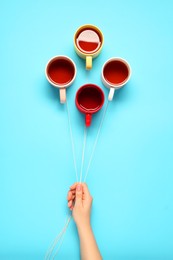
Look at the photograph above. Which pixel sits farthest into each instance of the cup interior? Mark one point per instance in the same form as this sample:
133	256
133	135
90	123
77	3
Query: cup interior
116	72
89	98
60	71
88	39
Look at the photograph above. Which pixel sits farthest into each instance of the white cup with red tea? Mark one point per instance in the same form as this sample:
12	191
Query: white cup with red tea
61	72
116	72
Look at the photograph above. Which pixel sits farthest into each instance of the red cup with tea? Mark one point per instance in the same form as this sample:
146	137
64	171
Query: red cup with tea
89	100
116	72
88	42
61	72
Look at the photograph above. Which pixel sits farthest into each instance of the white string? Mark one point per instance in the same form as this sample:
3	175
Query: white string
62	237
72	141
57	239
96	140
83	152
49	252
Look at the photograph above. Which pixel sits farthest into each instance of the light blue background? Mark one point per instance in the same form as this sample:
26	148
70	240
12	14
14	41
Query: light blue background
132	172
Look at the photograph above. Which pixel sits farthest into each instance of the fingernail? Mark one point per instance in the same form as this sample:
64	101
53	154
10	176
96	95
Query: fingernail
78	188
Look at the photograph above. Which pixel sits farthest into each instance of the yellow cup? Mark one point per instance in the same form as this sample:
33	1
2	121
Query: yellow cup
88	42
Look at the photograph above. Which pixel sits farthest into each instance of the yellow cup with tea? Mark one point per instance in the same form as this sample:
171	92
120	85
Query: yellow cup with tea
88	43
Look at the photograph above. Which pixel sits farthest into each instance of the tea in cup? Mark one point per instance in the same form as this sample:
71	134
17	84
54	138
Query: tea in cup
116	73
88	42
61	72
89	100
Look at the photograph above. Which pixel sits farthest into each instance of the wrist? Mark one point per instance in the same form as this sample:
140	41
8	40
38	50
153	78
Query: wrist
83	226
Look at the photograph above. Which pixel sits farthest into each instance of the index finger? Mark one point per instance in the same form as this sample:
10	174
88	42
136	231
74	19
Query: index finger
73	187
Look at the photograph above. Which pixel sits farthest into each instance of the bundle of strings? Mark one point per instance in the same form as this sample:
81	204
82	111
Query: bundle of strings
60	237
84	144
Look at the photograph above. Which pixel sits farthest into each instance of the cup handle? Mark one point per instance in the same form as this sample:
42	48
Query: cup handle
88	118
62	93
88	62
111	94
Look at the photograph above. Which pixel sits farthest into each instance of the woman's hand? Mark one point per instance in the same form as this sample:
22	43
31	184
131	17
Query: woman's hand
80	202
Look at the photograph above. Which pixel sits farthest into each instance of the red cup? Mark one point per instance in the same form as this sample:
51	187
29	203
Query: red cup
89	100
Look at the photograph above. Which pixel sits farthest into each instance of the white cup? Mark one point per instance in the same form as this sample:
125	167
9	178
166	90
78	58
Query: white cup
61	72
116	72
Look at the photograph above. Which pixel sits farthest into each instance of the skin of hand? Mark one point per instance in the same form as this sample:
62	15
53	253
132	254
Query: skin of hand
80	202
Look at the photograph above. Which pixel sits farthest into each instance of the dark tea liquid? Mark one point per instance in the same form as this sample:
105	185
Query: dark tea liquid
61	71
88	41
115	72
90	99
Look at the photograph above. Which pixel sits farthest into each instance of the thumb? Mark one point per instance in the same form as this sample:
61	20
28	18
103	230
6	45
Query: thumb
78	194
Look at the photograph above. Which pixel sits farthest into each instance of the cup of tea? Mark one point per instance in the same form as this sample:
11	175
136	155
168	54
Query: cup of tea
88	42
61	72
115	74
89	100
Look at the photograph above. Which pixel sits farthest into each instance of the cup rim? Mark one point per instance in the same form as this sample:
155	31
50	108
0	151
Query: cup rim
91	26
57	84
84	87
118	85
